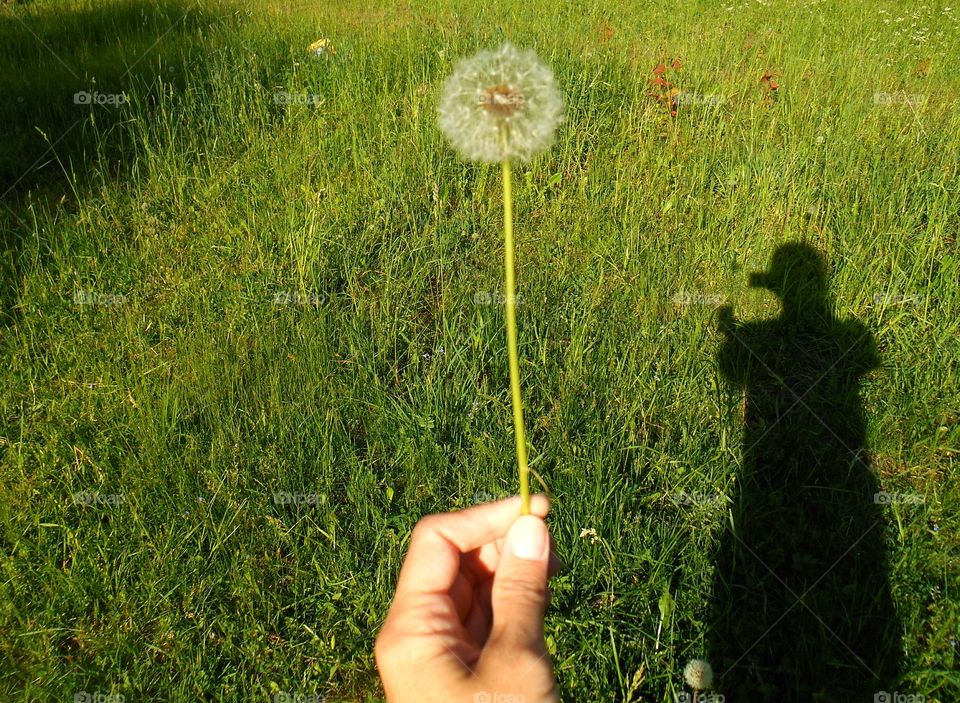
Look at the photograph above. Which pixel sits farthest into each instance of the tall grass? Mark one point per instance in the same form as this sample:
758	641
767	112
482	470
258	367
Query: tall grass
298	299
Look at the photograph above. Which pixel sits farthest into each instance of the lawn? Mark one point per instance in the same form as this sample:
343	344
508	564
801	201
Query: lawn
251	330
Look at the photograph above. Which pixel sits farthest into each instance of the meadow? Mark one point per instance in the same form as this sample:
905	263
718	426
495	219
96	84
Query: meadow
251	328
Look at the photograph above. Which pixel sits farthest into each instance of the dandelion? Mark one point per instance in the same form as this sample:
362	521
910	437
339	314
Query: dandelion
499	106
699	675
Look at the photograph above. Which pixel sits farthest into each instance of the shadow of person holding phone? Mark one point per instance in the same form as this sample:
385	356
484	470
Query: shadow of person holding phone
802	608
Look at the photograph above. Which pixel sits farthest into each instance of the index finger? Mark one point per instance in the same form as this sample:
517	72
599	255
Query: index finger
438	541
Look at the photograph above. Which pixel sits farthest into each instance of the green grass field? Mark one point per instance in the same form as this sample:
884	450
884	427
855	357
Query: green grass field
250	331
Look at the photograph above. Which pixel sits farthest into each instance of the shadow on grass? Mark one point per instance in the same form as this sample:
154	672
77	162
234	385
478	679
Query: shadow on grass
68	73
802	608
66	69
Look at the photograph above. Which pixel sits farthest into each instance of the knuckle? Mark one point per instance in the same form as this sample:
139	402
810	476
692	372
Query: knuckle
427	524
515	655
525	590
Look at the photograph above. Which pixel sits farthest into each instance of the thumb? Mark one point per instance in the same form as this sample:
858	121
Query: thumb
519	595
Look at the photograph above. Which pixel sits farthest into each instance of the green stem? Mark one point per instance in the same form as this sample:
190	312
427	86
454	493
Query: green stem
511	309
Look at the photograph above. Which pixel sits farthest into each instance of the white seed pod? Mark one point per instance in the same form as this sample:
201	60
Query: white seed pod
501	104
698	674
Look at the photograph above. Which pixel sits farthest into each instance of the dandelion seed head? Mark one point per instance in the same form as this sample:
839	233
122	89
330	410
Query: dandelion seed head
698	674
501	104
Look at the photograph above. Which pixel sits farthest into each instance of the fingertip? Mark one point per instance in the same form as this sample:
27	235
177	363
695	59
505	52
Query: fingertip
539	505
528	538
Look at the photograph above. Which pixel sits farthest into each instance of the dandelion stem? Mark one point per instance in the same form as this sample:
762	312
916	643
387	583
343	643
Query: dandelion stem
511	310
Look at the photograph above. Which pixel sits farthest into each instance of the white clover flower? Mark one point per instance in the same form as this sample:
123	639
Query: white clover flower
500	105
591	534
698	674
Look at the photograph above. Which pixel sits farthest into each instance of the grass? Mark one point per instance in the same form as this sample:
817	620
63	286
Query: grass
299	295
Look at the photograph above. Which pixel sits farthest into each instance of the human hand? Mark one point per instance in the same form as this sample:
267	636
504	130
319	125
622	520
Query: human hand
466	623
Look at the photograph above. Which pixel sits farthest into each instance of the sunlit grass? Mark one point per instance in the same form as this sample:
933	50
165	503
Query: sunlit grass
309	307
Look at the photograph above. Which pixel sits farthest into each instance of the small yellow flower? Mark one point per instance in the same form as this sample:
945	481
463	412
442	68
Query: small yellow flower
321	46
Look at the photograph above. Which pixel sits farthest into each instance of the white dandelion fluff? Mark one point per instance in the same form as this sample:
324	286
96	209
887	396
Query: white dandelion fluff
698	674
500	105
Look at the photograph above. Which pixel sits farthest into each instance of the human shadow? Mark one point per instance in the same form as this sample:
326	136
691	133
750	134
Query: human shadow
801	605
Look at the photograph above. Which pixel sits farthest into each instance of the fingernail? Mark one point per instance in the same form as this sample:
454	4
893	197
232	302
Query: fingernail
528	538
